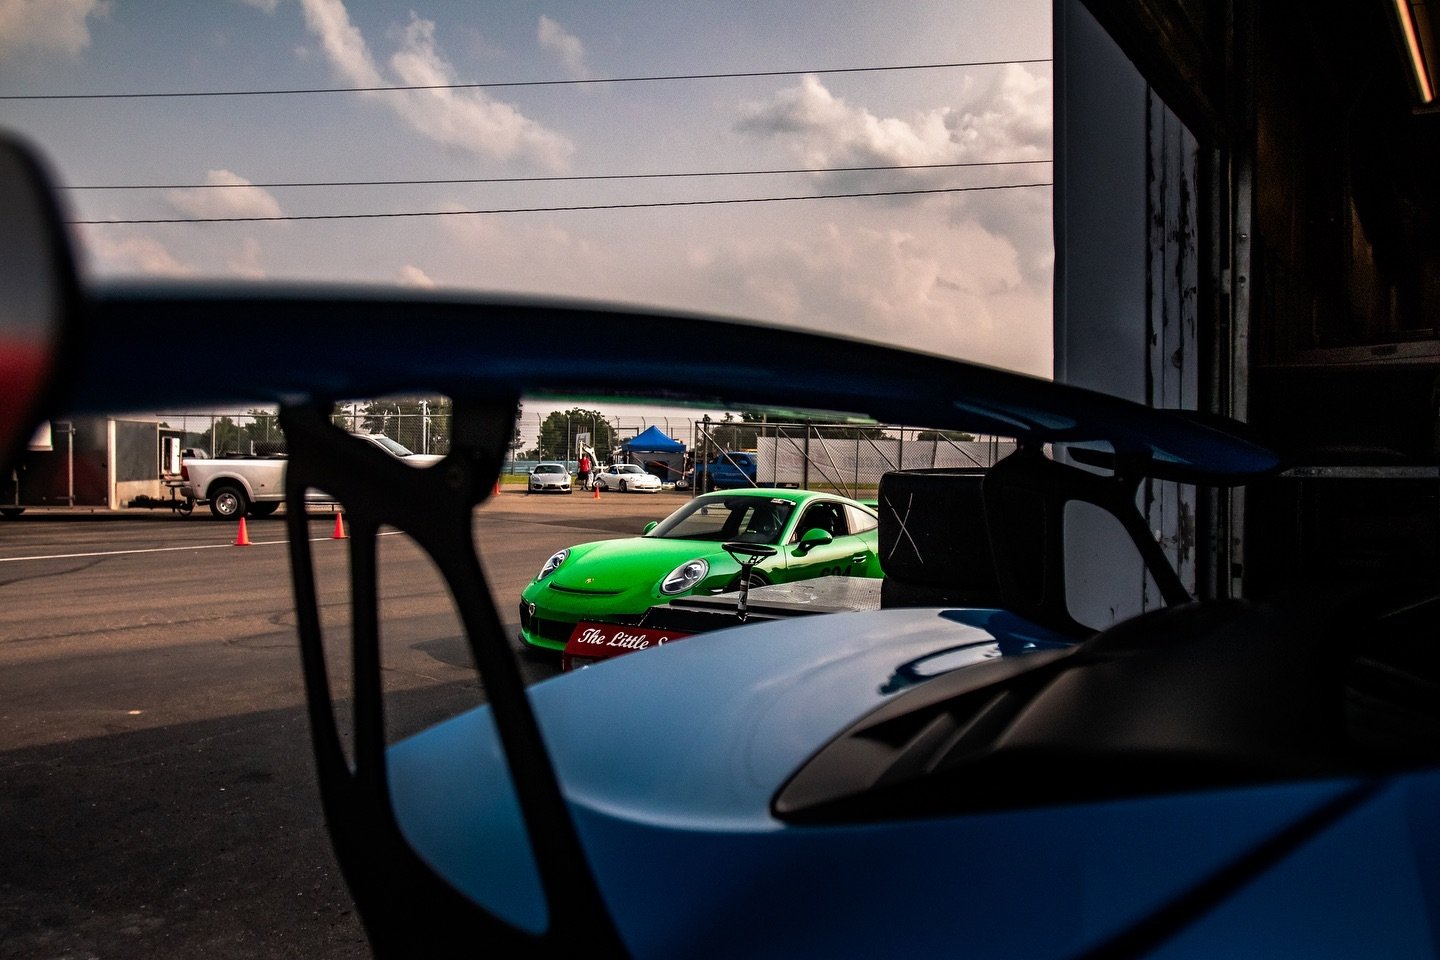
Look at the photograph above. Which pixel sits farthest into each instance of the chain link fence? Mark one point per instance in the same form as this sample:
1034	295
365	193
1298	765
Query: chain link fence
845	458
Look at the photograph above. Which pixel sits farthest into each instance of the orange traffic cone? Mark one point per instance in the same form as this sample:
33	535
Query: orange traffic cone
497	488
243	539
595	495
339	533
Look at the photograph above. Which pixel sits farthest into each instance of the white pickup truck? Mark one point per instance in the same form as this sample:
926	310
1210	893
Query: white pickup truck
238	485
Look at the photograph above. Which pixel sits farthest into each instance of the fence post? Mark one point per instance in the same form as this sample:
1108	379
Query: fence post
805	459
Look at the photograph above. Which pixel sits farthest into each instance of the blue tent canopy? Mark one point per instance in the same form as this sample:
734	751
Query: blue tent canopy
653	440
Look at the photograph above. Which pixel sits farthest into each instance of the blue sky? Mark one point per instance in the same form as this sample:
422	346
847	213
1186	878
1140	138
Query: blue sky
961	273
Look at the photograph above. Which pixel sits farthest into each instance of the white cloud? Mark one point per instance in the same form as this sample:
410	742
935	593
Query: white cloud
522	255
48	25
413	276
1007	120
246	263
467	119
232	196
107	252
344	46
951	288
826	131
956	291
565	45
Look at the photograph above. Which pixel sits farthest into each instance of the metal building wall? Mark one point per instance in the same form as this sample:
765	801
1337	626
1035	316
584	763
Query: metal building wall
1127	283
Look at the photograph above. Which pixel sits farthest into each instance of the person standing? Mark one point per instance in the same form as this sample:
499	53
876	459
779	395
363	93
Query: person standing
584	471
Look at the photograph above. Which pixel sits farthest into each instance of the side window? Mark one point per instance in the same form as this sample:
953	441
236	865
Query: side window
822	516
860	521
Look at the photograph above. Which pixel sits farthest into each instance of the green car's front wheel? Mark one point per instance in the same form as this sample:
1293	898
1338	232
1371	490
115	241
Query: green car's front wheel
757	579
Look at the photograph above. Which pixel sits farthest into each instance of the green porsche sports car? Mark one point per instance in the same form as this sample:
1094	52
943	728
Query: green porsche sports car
616	581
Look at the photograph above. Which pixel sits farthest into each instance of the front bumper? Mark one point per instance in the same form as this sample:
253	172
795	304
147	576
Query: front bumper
551	633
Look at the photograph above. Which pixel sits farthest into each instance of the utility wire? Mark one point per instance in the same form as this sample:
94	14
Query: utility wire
554	179
659	78
562	209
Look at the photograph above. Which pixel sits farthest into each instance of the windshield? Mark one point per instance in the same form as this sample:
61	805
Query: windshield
397	449
628	468
725	518
549	468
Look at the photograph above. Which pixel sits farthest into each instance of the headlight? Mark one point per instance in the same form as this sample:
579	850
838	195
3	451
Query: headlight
684	577
557	558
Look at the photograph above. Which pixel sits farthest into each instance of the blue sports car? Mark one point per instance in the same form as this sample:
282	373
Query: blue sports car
966	771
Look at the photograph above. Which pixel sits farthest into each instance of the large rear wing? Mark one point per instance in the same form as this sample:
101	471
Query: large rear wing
329	344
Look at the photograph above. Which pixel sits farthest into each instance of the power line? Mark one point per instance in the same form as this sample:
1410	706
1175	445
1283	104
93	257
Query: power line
490	85
561	209
556	179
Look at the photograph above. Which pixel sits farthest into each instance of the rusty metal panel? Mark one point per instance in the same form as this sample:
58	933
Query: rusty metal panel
1172	283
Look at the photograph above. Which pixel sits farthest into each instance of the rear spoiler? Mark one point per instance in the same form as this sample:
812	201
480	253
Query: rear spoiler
485	353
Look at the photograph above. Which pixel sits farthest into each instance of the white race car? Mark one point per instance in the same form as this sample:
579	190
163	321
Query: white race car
627	478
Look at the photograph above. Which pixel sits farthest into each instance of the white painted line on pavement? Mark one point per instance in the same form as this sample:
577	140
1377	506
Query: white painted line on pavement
199	546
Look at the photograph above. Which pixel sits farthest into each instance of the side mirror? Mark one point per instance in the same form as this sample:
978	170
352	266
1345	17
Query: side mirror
814	537
39	295
651	525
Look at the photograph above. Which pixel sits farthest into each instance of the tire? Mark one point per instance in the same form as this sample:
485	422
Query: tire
622	486
264	509
934	543
757	579
10	513
228	502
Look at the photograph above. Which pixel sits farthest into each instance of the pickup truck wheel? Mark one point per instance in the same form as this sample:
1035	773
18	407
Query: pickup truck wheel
228	503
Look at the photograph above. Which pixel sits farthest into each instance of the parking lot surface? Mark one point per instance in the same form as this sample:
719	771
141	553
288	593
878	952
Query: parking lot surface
156	789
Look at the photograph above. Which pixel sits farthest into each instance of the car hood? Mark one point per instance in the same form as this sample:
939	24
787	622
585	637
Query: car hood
669	758
616	566
726	717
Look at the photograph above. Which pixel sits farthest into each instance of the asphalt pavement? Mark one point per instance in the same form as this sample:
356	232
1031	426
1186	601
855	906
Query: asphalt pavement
157	797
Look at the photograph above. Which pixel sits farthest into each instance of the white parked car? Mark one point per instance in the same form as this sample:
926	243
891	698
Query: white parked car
400	451
627	478
550	478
